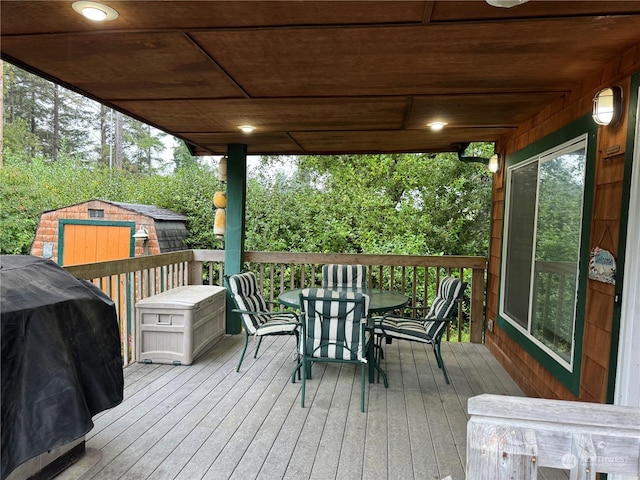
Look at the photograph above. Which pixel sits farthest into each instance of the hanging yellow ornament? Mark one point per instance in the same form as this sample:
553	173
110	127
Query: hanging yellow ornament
220	223
220	199
222	169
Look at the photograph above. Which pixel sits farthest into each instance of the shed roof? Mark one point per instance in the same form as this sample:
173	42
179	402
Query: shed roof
152	211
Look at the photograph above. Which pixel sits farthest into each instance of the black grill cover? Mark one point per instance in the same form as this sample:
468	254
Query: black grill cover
61	361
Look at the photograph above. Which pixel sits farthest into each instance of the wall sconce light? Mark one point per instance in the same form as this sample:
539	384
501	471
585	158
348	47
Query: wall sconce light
607	106
494	163
141	234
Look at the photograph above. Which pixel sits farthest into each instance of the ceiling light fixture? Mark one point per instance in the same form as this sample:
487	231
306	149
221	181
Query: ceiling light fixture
437	126
506	3
607	106
247	128
95	11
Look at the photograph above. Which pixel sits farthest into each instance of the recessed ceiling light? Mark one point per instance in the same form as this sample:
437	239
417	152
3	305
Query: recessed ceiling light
247	128
505	3
437	126
95	11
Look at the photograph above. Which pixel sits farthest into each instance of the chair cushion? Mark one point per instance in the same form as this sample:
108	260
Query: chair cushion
247	296
334	322
449	291
413	329
334	275
424	330
277	324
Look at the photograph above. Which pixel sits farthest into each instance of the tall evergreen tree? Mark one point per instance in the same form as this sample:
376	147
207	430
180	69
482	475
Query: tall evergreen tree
182	157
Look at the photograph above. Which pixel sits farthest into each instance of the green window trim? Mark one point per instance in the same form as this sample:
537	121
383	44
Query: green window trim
108	223
569	378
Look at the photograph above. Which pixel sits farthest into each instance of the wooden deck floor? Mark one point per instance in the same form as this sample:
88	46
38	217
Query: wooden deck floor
207	421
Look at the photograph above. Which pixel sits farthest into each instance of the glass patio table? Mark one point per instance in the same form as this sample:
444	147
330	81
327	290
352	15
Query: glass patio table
380	302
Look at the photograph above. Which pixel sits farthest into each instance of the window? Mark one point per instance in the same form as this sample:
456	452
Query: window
542	247
96	213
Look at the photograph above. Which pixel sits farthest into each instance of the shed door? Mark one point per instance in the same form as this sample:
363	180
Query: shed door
95	242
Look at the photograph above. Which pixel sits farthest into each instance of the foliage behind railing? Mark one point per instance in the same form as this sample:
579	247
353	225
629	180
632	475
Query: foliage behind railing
127	281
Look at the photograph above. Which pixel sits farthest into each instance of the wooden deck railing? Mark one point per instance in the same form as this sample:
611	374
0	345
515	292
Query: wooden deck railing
511	437
129	280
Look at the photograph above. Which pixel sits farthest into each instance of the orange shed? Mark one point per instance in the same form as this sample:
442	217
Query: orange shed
100	230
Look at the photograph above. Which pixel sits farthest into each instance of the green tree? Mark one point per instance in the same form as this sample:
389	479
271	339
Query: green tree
18	141
143	146
182	156
394	203
61	119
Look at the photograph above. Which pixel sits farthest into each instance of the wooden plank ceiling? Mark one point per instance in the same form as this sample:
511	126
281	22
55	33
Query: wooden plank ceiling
323	77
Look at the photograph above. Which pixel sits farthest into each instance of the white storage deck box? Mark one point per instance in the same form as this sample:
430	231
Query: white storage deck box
178	325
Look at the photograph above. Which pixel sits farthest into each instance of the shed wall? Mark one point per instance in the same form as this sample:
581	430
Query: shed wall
48	226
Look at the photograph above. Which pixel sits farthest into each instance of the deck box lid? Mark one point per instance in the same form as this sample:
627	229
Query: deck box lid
186	297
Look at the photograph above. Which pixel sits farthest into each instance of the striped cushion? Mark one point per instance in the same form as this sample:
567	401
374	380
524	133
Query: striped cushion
414	329
424	330
354	276
245	293
334	324
449	291
277	324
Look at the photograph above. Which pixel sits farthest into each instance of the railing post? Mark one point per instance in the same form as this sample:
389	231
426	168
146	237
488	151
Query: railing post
583	438
195	272
582	458
500	451
477	302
